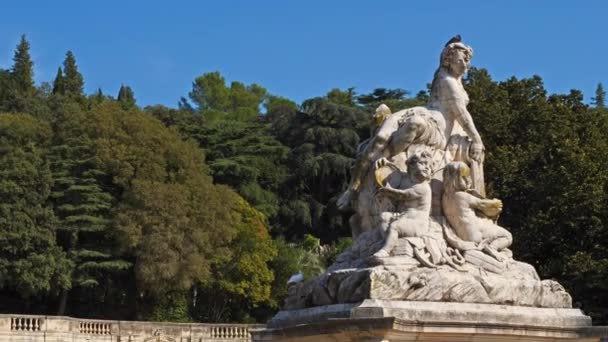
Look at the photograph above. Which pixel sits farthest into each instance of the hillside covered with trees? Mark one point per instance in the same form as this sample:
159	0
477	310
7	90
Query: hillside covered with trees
202	212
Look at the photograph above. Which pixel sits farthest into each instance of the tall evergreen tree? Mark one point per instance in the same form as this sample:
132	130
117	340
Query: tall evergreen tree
73	80
600	96
22	69
82	204
126	97
59	83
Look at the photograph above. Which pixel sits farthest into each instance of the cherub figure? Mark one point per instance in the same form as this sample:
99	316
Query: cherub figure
410	195
470	214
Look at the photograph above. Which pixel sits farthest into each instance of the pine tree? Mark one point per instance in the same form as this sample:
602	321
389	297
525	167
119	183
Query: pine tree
73	81
126	97
59	83
600	96
22	69
81	205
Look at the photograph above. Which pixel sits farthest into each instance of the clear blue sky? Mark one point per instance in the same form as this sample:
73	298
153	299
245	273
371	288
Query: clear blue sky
302	49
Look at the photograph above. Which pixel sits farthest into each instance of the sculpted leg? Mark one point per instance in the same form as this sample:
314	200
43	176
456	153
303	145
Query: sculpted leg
503	241
390	234
406	134
390	241
374	151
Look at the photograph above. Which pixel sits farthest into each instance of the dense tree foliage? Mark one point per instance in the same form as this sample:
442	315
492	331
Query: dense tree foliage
31	263
202	212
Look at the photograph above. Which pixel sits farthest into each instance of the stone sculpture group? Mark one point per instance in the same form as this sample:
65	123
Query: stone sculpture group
423	228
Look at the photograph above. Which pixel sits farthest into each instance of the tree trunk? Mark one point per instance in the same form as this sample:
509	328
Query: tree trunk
63	300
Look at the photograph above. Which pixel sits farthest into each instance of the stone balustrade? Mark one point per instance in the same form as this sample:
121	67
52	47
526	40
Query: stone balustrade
32	328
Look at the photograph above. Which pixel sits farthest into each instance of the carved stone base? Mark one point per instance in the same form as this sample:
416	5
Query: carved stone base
376	320
518	285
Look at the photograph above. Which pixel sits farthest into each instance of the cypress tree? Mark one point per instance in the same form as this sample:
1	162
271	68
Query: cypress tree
59	83
600	96
126	97
73	81
22	69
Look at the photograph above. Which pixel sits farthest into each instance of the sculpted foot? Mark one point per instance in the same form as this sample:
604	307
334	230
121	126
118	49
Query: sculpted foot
381	254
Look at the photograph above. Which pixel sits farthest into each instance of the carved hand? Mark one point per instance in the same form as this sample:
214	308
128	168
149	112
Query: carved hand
381	162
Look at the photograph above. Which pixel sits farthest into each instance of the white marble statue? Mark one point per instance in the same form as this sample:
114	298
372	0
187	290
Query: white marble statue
428	234
433	125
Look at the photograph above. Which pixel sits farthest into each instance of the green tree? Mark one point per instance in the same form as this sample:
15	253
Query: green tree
22	70
242	282
274	103
600	96
73	81
126	97
542	161
59	83
170	217
31	264
245	156
395	99
82	204
217	101
209	92
342	97
323	139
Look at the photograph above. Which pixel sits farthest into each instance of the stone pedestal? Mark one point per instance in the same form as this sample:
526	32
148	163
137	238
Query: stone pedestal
376	320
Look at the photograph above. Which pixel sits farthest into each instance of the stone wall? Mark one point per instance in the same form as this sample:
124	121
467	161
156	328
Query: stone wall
31	328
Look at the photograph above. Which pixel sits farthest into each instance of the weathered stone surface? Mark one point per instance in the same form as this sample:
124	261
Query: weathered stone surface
518	285
377	320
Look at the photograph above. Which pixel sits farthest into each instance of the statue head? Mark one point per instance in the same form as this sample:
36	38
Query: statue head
456	177
456	57
419	165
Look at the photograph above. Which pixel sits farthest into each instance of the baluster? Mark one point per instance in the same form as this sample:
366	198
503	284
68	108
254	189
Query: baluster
12	323
35	324
20	324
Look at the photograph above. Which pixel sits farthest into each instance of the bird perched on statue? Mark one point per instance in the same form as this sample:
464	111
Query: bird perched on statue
456	39
296	278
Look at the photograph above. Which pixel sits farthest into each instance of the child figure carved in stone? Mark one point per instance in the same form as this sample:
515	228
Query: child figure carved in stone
410	195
